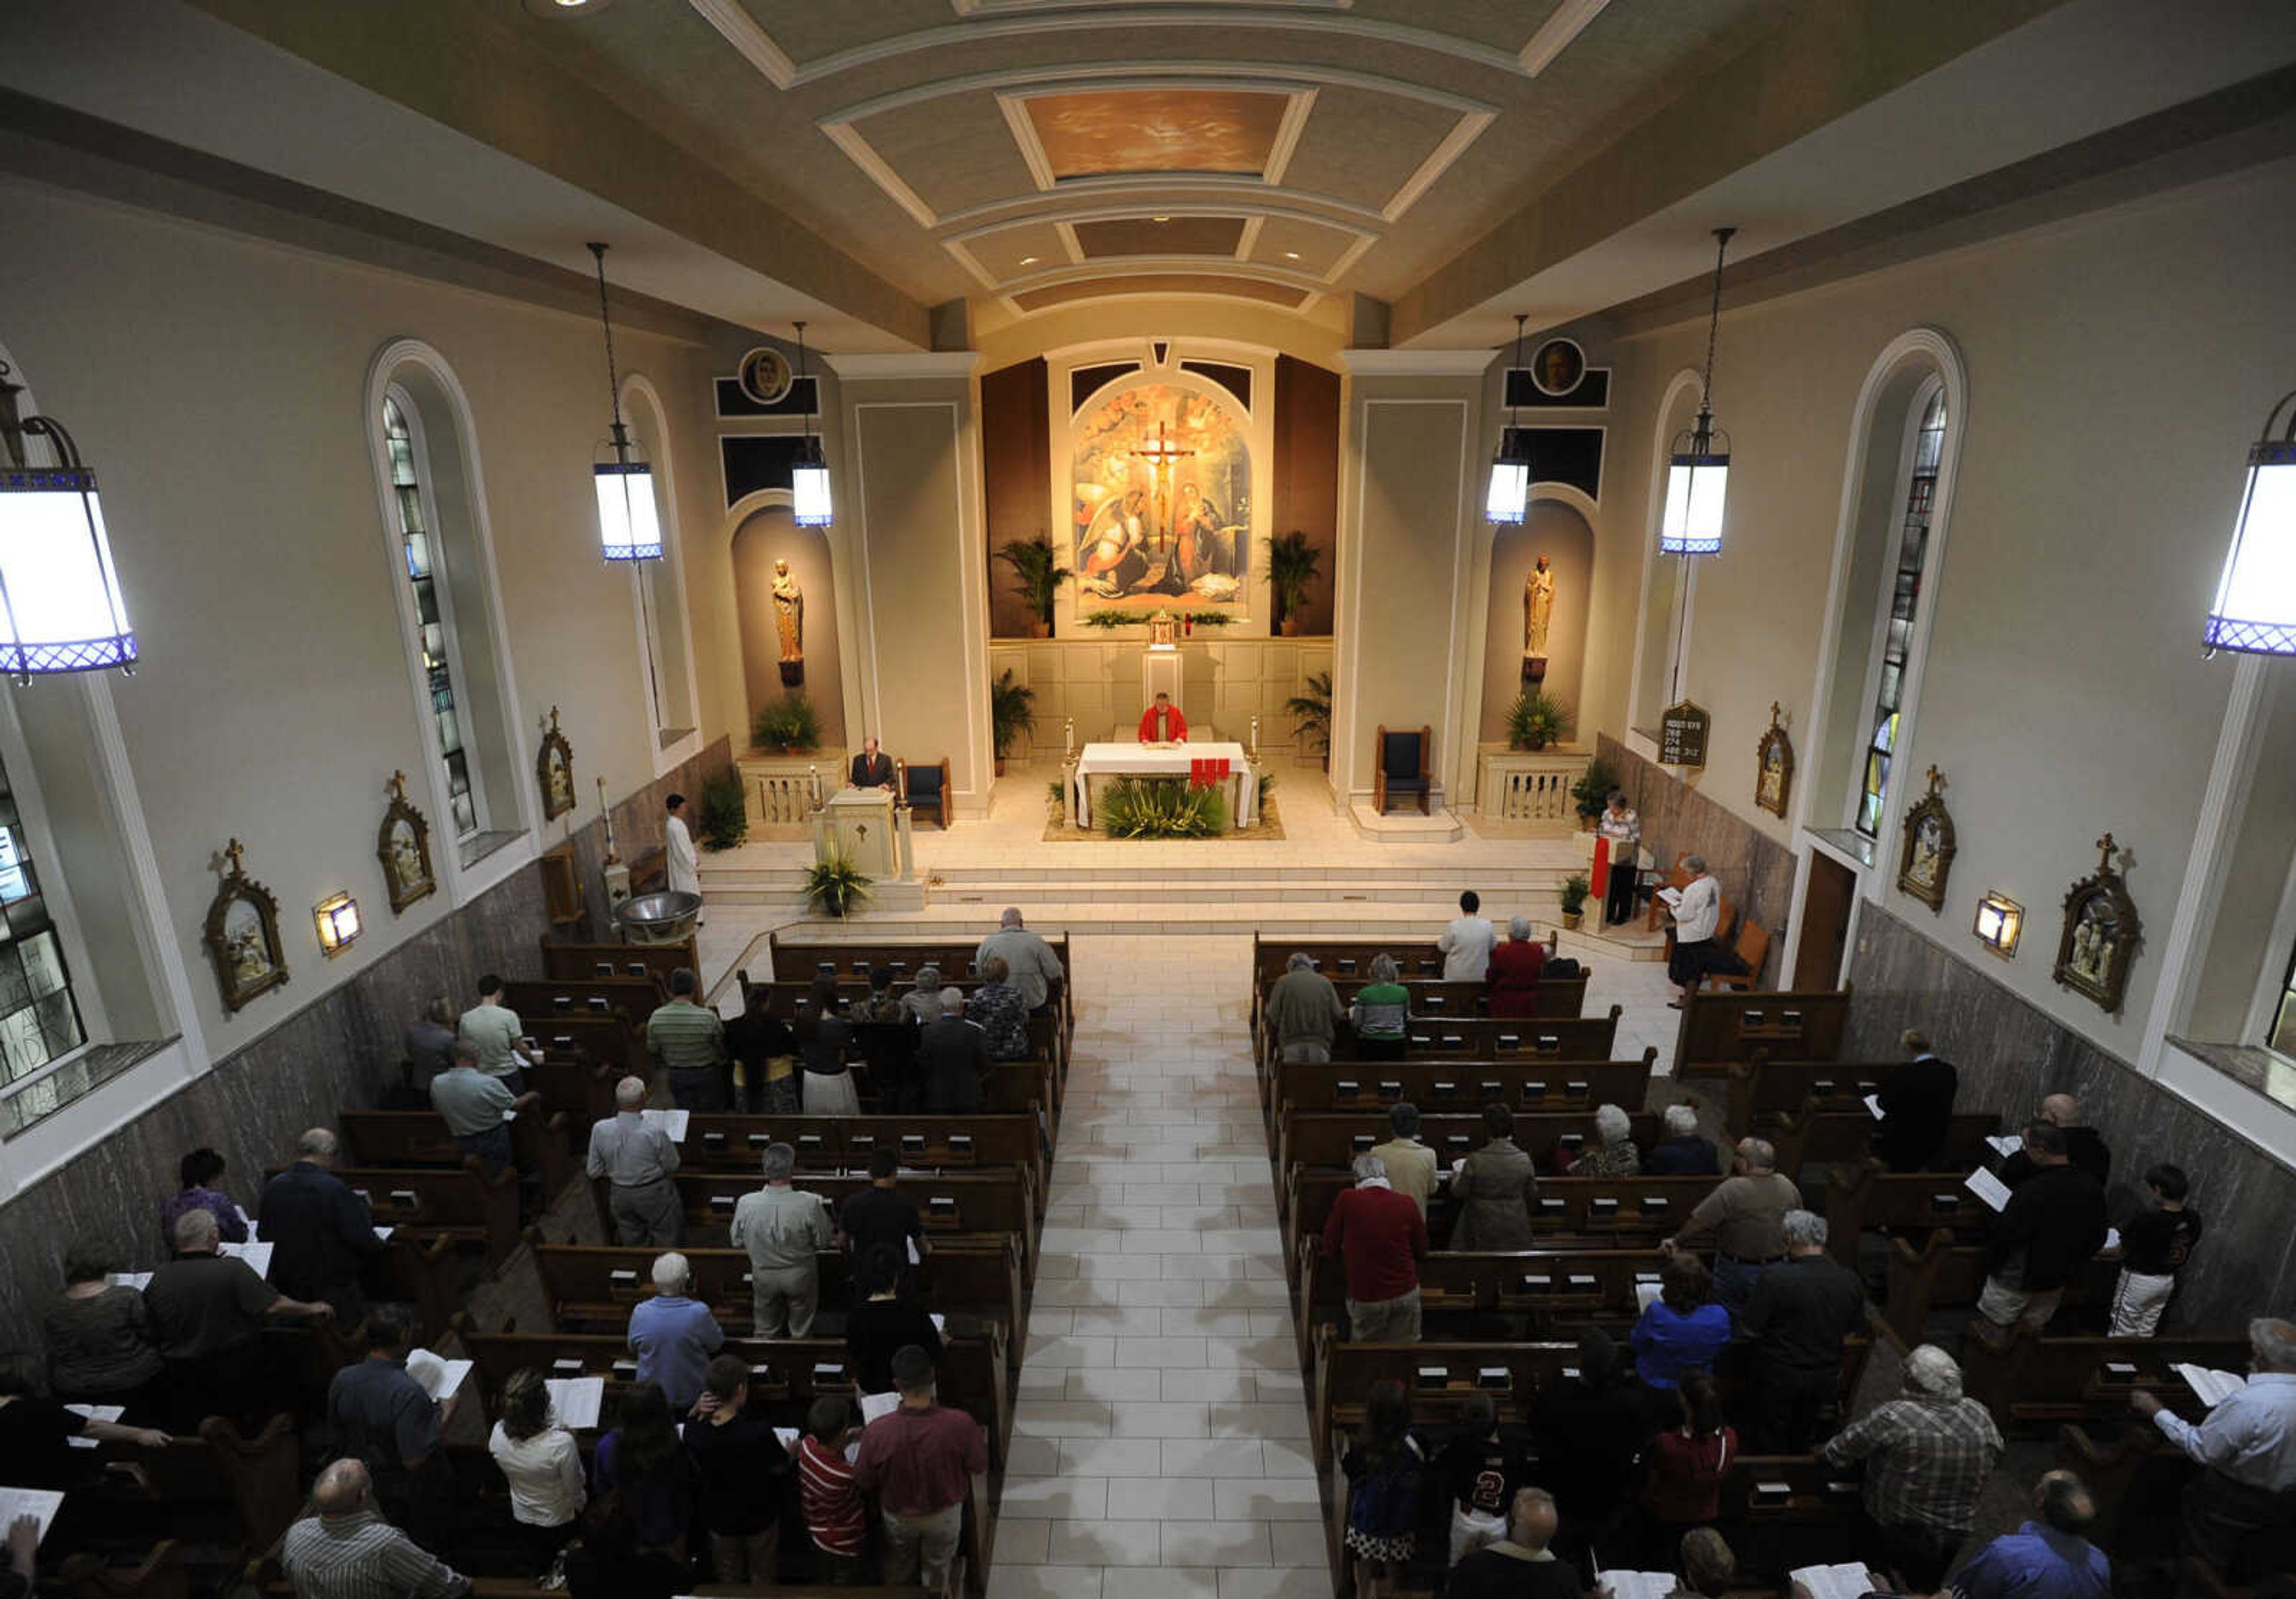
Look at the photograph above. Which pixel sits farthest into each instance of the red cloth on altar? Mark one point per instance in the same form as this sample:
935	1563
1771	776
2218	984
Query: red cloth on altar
1175	731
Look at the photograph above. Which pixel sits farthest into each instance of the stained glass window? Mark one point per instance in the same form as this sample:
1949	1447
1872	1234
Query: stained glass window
2283	1037
1905	601
40	1020
433	616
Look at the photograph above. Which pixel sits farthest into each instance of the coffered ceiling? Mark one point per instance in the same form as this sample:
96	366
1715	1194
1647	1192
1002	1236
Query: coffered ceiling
859	162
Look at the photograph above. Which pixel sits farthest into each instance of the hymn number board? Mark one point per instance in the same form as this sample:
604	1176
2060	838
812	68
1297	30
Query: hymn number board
1682	735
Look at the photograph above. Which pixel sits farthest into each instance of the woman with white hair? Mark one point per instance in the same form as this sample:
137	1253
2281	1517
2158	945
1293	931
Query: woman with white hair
1615	1154
1381	1012
1682	1153
1514	971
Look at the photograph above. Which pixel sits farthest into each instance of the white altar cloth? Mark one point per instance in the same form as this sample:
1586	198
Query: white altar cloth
1167	760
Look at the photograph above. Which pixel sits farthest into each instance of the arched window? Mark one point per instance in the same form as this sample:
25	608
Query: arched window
658	592
434	609
1894	646
39	1019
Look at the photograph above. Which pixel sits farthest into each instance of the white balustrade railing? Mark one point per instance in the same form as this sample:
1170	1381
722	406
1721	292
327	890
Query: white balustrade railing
1522	785
784	797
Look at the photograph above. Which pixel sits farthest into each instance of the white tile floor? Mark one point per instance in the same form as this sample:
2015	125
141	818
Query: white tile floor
1160	1443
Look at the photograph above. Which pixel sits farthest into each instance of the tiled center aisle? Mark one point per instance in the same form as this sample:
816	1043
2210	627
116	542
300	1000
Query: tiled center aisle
1159	1445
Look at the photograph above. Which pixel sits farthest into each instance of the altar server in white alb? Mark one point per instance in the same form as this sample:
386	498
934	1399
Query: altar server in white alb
683	866
1467	943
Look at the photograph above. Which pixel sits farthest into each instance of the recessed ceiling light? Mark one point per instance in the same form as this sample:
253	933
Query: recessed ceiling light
1160	218
1291	255
1027	260
558	9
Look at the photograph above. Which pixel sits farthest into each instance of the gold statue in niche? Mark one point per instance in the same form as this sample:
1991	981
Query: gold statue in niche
788	621
1538	608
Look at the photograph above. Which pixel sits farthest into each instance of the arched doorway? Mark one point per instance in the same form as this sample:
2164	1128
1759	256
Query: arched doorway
767	535
1561	534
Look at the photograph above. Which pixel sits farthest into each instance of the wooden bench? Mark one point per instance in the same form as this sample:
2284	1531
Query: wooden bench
1627	1212
539	1003
578	1086
657	962
1758	1091
1544	1293
1916	1201
459	1206
1331	1140
538	1143
1342	957
1718	1028
1946	1273
1484	1038
1002	1202
1435	999
1815	1136
799	960
717	1142
593	1289
610	1041
1299	1086
2025	1379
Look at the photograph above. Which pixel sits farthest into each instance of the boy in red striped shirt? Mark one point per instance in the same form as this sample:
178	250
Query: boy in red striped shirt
834	1512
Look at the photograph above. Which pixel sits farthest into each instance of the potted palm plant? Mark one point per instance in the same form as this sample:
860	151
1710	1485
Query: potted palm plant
836	887
1311	713
1536	720
1575	889
1293	564
1011	712
1040	576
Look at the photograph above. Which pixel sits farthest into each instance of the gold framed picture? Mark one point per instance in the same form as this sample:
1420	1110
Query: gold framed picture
403	846
1925	856
1774	768
242	935
2100	935
554	769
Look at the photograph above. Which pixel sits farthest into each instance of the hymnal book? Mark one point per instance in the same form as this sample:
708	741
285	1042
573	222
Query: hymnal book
2005	1144
383	1233
1988	1187
576	1400
2112	1240
673	1122
1637	1585
137	1280
1874	1104
941	1323
788	1435
1670	897
38	1503
874	1406
437	1377
1851	1580
93	1413
1645	1295
914	1259
2213	1388
257	1255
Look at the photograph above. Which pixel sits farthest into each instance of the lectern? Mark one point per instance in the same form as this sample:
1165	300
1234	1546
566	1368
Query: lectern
857	824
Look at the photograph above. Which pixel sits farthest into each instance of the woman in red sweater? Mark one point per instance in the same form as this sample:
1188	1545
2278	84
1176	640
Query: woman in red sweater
1687	1464
1514	975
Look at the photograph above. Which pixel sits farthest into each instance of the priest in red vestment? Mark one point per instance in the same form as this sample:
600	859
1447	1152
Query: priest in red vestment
1162	723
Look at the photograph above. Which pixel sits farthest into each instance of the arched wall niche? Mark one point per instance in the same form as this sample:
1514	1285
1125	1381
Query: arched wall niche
1560	531
767	534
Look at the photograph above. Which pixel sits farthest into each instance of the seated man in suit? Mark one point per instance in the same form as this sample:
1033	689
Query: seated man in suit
872	769
1162	723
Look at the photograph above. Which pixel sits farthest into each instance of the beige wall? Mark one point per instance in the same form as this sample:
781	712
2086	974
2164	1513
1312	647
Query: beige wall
2116	365
763	538
216	385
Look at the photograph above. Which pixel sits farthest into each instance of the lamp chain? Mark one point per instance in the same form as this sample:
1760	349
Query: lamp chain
606	318
1713	324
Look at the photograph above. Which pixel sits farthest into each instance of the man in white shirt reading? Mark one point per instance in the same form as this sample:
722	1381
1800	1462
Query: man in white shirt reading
1467	943
1696	917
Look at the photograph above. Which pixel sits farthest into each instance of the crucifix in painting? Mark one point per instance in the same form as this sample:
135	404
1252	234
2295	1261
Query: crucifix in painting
1163	499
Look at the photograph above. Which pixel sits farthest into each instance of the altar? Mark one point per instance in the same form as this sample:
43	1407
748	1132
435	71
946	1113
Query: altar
1241	783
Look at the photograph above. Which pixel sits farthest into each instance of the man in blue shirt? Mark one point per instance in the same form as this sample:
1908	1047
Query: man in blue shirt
674	1336
2248	1445
2049	1557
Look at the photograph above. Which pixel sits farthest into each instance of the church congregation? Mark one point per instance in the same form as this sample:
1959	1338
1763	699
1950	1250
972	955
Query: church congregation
1101	799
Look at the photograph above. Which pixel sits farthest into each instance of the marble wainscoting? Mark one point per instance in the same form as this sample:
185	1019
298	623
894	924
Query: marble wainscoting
341	1049
2010	1054
1756	871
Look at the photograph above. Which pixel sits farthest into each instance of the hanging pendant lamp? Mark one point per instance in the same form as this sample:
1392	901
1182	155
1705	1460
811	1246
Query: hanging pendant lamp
630	523
61	609
1698	474
1510	493
2255	612
810	499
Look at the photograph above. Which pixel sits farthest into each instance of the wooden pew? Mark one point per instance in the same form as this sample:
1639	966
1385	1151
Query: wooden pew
1628	1212
2027	1379
1720	1027
1331	1140
1544	1293
610	1042
575	1085
460	1205
1298	1086
786	1374
538	1004
657	962
1817	1136
593	1289
730	1143
793	1002
1436	999
1871	1197
1483	1038
1759	1090
800	960
538	1143
954	1204
1337	958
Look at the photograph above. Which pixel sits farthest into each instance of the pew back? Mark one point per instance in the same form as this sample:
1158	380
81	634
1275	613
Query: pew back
1719	1028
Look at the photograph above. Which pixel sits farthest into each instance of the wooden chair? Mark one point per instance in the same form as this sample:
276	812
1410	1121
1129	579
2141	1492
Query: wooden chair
1753	949
1400	768
925	786
160	1576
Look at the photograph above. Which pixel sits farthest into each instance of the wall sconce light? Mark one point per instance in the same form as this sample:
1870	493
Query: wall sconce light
629	525
1698	471
338	916
2000	920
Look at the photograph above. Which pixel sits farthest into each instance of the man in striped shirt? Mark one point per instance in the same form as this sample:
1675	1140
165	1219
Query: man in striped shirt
688	1041
827	1492
348	1550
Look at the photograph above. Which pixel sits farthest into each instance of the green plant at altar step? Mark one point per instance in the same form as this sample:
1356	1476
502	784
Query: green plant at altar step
1161	807
1039	571
1592	793
1012	711
1311	712
1207	618
1293	564
789	724
1575	889
1109	621
835	886
1267	787
725	813
1536	720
